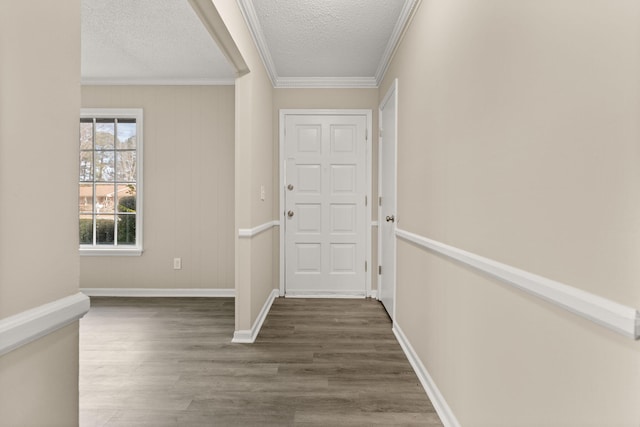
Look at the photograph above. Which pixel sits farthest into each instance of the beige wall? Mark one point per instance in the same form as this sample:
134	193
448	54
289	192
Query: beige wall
518	142
362	99
254	167
188	188
39	112
39	382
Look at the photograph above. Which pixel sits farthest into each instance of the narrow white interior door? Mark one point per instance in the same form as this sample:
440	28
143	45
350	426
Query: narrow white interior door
387	204
324	217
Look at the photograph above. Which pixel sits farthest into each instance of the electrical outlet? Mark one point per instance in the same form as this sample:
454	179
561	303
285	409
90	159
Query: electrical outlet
262	195
177	263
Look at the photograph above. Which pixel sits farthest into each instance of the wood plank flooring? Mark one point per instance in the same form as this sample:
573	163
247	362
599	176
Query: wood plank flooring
317	362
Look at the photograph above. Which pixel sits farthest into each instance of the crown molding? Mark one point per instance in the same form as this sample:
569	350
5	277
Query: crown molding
326	82
407	12
253	23
157	82
255	28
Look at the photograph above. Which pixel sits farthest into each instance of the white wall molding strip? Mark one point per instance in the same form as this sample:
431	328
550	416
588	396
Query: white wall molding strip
250	232
155	292
158	82
373	294
248	336
326	82
253	23
439	403
29	325
398	30
615	316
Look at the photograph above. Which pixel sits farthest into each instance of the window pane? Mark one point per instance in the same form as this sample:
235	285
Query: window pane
86	229
126	166
105	169
126	137
85	198
105	198
105	133
126	229
86	134
104	229
127	198
86	166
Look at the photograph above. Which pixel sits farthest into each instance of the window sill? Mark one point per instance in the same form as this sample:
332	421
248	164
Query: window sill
92	251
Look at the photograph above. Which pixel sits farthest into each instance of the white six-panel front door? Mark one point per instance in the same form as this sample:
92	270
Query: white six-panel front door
324	218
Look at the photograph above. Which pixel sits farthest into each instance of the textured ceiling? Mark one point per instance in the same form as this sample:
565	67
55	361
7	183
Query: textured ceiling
148	41
303	43
328	38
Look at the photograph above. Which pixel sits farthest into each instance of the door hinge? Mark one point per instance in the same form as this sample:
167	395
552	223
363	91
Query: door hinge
379	269
366	200
365	266
379	200
366	134
380	133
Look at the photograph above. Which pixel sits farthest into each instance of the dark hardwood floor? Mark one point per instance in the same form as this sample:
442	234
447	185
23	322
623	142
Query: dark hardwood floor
170	362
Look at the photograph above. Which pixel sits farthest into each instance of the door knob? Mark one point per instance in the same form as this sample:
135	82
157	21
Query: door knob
290	187
390	218
290	214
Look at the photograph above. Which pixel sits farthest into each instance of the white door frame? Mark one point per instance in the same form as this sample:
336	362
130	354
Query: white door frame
281	214
392	91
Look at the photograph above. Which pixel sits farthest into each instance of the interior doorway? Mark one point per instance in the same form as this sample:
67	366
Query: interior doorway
387	202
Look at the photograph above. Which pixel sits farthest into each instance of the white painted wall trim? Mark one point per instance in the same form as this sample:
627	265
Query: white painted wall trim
439	403
158	82
373	294
248	336
326	294
253	23
396	35
29	325
326	82
250	232
615	316
153	292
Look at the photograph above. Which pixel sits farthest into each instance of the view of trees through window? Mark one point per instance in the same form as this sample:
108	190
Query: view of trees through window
108	181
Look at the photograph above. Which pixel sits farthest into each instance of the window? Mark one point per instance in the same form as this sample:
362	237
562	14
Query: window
110	187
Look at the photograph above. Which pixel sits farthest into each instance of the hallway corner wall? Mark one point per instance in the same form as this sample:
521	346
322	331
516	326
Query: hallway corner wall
39	114
517	142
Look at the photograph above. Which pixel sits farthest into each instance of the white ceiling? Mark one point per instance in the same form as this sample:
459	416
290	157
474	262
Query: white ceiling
303	43
149	42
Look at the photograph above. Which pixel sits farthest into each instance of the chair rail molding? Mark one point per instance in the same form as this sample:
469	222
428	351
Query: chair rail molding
29	325
617	317
250	232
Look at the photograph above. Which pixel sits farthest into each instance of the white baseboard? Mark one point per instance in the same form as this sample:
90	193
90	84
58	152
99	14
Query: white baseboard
154	292
439	403
29	325
324	294
373	294
248	336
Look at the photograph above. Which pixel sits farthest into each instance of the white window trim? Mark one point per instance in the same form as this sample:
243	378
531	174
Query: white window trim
137	249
